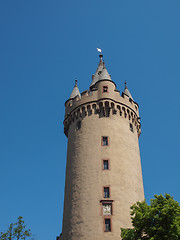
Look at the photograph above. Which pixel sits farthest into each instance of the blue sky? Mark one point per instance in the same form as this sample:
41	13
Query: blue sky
44	46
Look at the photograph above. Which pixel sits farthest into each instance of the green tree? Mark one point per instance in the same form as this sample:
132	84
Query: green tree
16	231
158	221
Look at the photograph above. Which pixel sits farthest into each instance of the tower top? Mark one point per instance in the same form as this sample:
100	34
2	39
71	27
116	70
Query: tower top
75	91
101	73
95	77
127	92
104	74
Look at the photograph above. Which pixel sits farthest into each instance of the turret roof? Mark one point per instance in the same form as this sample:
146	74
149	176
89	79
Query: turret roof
95	77
101	73
75	91
127	92
104	74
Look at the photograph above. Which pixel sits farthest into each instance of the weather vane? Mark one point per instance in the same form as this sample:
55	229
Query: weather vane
99	50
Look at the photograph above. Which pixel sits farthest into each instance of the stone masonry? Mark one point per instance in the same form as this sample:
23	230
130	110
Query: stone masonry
103	172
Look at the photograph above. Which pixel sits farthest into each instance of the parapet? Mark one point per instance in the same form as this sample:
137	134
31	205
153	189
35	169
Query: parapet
103	104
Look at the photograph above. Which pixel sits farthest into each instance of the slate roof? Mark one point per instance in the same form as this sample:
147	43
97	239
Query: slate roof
127	92
75	91
101	73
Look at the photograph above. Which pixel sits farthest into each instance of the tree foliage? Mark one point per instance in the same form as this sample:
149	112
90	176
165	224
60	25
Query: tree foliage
16	231
158	221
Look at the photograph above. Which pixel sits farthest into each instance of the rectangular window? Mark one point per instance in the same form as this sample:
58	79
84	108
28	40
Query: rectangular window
131	127
106	192
105	89
105	164
107	225
105	141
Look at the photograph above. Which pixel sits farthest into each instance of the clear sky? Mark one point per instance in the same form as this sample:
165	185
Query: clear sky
44	46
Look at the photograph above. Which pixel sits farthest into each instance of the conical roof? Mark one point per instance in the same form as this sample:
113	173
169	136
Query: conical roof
95	77
104	74
127	92
101	73
75	91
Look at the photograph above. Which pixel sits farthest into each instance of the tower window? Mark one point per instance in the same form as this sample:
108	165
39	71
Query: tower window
78	126
105	141
131	127
105	164
105	89
106	192
107	225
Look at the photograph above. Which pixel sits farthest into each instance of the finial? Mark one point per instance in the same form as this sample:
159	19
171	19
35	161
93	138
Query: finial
125	84
75	82
101	56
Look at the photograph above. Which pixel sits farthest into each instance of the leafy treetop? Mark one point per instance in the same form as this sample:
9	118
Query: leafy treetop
16	231
158	221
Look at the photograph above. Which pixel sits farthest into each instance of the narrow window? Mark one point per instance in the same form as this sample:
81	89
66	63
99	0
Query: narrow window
105	164
105	89
104	141
107	225
106	192
78	126
131	127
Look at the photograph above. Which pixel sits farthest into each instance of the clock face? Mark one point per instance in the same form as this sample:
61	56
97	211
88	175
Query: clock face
107	209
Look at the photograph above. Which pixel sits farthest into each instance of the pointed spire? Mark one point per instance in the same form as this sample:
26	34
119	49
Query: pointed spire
95	77
75	83
75	91
104	74
101	73
125	84
126	91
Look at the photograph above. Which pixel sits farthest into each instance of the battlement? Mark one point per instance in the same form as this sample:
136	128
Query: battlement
103	104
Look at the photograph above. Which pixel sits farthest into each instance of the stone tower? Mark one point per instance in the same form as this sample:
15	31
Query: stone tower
103	172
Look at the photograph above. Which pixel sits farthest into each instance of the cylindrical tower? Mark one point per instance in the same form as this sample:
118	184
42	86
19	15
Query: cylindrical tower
103	172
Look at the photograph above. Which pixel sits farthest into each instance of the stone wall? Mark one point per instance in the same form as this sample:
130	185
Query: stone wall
87	120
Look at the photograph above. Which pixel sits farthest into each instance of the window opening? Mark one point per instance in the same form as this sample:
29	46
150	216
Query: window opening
105	141
106	192
78	126
107	225
131	127
105	89
105	164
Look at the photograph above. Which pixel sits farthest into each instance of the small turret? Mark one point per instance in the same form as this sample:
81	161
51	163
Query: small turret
101	74
95	77
104	74
127	92
75	91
